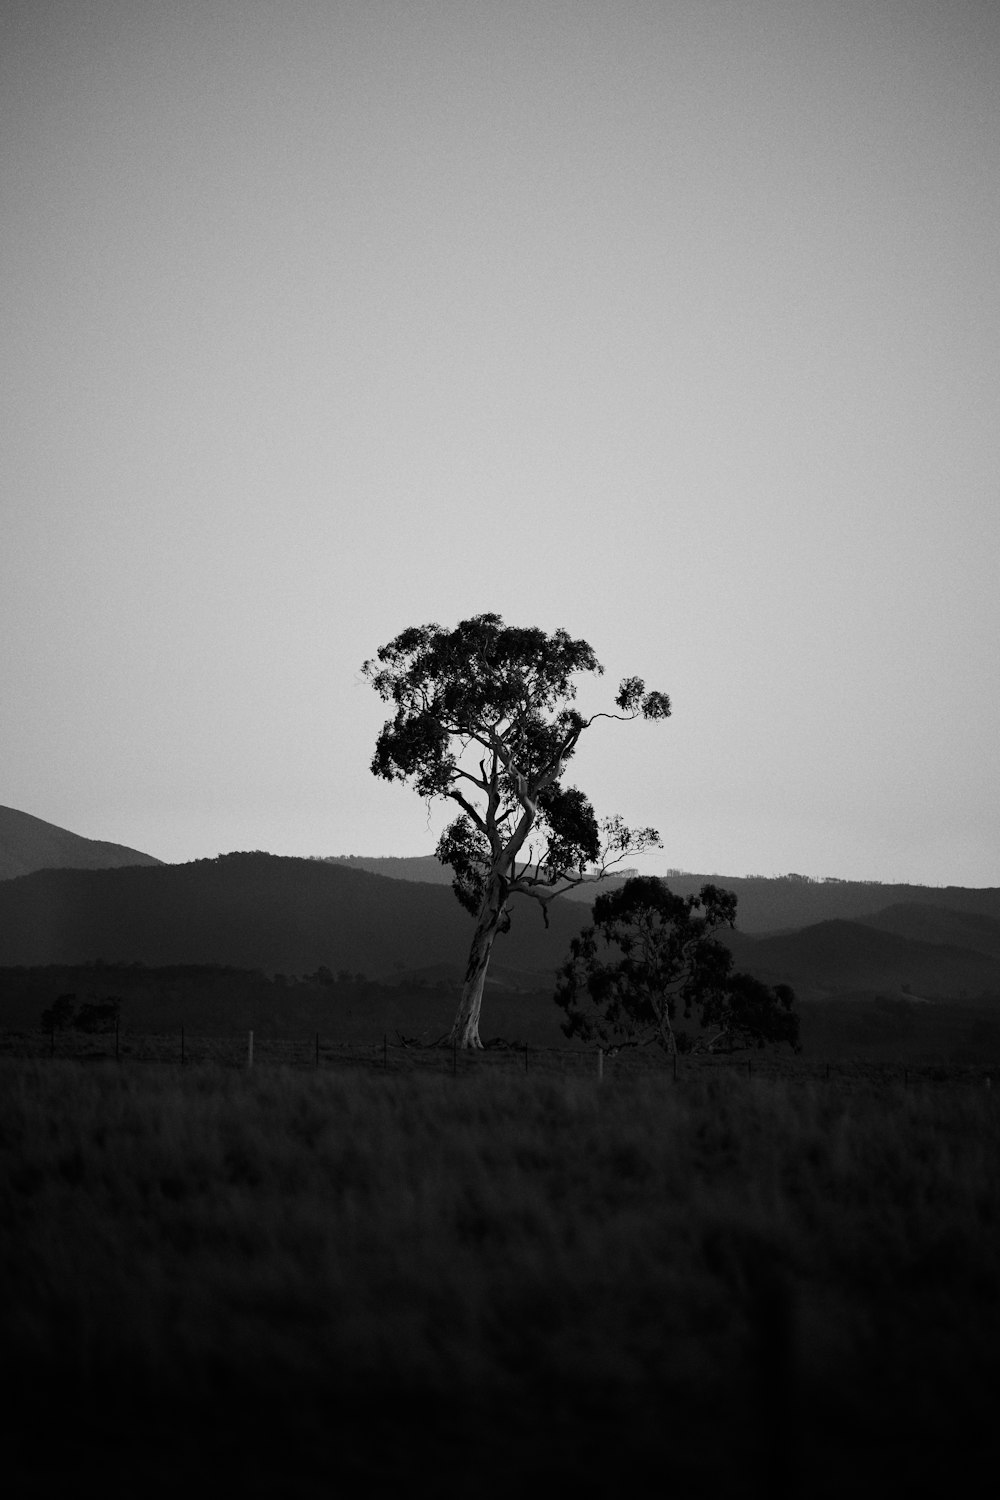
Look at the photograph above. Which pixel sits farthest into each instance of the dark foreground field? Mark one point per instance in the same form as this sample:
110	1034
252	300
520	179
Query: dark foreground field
310	1282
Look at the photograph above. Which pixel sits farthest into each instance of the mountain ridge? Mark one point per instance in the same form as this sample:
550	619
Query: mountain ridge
281	914
28	843
293	915
839	957
255	910
767	903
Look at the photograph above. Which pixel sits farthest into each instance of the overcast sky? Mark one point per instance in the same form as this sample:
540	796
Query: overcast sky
673	324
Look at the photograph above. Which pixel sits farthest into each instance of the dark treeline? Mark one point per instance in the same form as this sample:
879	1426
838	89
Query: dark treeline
214	998
132	976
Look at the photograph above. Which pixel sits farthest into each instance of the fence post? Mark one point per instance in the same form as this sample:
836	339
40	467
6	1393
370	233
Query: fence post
385	1052
675	1064
749	1068
250	1050
317	1049
454	1057
600	1064
116	1039
182	1046
526	1059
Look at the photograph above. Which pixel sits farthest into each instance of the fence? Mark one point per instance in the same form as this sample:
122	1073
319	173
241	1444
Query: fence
249	1049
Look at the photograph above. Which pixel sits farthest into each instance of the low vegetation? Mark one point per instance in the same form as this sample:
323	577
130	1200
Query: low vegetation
319	1278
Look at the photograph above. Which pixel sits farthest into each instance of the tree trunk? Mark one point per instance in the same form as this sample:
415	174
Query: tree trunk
465	1030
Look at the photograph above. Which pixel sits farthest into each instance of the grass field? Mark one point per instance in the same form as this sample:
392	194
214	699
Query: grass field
301	1281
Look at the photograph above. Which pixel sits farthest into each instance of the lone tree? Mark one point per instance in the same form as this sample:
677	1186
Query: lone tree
484	716
651	954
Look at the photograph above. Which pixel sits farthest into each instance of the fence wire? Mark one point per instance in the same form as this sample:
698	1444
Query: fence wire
404	1056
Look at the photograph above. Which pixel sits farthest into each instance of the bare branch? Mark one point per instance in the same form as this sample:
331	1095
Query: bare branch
467	776
468	808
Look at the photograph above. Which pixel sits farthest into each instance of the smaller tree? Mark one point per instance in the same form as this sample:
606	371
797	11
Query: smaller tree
59	1014
651	957
98	1015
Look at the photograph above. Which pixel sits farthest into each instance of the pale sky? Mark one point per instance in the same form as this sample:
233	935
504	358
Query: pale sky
673	324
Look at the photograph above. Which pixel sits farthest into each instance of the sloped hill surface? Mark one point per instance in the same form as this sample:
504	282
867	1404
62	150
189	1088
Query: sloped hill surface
280	915
28	844
261	911
839	957
426	868
938	924
766	904
769	905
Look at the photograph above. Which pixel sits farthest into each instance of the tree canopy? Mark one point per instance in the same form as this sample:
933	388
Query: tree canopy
484	716
651	958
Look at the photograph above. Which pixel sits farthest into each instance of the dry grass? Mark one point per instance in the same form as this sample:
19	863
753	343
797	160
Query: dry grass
748	1282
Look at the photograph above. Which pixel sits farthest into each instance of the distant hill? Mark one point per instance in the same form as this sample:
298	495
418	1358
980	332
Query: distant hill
428	868
282	915
860	983
838	957
788	901
262	911
939	924
766	904
28	844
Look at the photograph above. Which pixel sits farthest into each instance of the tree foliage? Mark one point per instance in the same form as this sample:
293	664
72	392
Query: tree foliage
98	1015
652	958
94	1015
484	716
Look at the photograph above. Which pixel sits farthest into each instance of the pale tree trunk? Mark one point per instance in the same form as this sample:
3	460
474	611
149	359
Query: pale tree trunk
465	1030
662	1013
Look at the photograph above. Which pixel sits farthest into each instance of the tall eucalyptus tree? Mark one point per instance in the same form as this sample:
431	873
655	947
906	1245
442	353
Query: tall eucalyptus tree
484	717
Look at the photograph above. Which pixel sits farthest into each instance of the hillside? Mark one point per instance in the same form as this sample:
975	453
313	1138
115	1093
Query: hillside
291	916
28	844
863	985
838	957
766	904
426	869
939	924
261	911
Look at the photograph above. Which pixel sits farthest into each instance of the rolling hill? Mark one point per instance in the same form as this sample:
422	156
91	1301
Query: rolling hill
839	957
262	911
281	916
65	899
284	915
428	868
767	904
28	844
773	904
939	924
